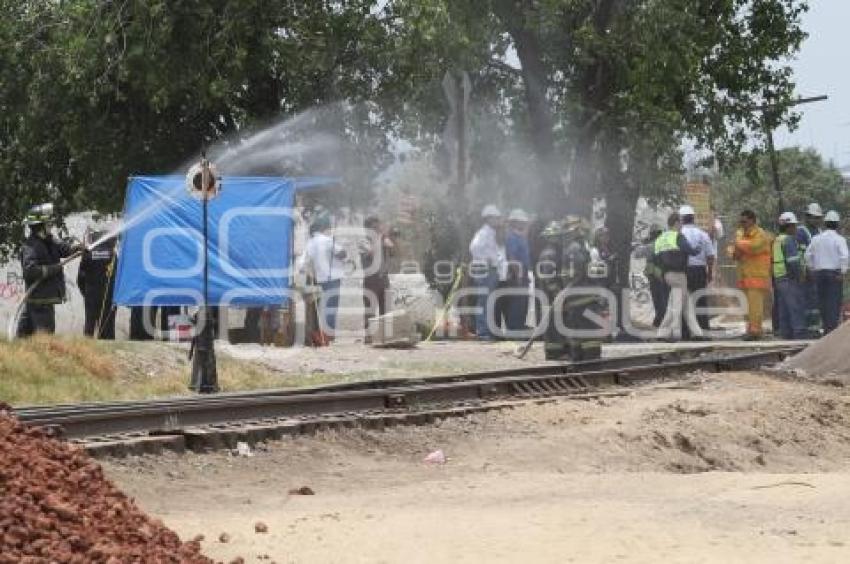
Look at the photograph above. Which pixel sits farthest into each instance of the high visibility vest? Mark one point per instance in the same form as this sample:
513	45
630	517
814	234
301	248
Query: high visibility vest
780	270
667	241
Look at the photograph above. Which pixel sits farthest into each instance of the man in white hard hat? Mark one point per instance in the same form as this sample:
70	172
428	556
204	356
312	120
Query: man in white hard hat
488	262
700	265
827	261
519	263
787	274
812	222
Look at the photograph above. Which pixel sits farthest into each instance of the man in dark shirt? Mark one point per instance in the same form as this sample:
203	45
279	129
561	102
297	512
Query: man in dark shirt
374	250
519	263
671	254
96	281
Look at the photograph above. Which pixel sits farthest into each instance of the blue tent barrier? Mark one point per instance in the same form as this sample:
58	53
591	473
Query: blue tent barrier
161	254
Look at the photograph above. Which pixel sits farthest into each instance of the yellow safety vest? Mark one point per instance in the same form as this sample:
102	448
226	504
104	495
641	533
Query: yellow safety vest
667	241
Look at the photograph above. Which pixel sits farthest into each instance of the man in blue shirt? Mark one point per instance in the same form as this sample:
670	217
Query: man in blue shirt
787	274
519	263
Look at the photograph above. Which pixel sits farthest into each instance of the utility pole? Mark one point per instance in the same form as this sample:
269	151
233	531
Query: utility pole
766	113
457	91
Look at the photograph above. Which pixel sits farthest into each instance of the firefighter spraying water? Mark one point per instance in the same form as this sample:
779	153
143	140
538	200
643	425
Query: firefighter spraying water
42	260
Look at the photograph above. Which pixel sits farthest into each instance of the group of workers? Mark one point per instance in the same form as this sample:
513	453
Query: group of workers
803	268
324	262
501	258
804	265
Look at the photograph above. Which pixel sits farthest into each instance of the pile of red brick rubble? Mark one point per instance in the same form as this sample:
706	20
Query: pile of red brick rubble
57	506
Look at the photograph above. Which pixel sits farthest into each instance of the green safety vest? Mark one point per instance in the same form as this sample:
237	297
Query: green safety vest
780	268
667	241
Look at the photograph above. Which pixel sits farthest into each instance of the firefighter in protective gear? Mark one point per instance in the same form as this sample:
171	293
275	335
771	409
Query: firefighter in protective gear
96	281
752	252
41	256
563	263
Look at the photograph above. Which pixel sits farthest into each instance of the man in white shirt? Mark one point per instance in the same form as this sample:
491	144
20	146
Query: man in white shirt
827	261
488	266
324	257
701	265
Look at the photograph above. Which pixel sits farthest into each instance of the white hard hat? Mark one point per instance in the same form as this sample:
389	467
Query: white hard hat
518	215
814	210
832	216
491	211
788	218
687	210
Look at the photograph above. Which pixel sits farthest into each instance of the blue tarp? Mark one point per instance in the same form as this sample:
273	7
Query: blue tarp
250	232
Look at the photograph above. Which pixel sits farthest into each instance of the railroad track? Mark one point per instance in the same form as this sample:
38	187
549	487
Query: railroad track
222	420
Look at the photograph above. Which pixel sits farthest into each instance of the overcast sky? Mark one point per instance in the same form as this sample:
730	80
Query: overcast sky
822	68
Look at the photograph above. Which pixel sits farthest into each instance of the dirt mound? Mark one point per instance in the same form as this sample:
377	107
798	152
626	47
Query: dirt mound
57	506
801	432
829	356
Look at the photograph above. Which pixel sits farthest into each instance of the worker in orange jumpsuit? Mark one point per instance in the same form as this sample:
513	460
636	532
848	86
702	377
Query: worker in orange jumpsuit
753	255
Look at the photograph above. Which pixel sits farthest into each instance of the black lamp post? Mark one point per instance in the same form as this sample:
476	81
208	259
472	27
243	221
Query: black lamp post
203	183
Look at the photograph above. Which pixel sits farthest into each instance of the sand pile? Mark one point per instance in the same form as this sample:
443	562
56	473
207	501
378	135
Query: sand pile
56	506
830	356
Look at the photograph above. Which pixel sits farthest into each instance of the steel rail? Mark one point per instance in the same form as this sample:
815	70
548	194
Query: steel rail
655	357
170	416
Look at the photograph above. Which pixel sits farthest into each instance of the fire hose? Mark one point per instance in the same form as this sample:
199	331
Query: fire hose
12	329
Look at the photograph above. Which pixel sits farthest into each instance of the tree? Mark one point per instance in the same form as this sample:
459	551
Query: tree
804	176
610	88
92	92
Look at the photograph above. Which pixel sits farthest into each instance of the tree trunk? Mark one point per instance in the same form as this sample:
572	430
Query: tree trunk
594	88
622	191
550	189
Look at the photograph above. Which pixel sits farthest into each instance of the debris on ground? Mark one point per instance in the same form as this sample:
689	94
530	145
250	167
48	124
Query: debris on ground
303	490
243	449
223	538
825	357
436	457
260	527
57	506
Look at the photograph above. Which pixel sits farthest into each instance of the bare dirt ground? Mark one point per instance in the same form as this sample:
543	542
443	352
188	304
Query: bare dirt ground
721	468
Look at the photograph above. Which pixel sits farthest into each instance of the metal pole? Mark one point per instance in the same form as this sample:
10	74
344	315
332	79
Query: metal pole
461	143
204	372
774	167
768	131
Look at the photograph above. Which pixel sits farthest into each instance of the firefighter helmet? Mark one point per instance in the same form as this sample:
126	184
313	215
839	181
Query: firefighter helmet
553	230
40	214
576	226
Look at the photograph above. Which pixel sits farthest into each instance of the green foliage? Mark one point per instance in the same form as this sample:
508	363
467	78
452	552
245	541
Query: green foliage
804	178
92	92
